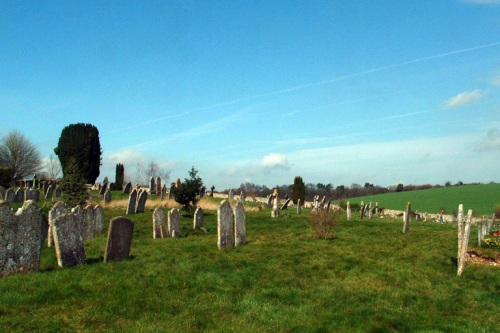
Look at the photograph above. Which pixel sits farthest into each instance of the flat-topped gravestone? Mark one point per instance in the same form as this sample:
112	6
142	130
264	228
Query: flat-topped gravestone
225	225
68	240
132	199
240	231
119	239
174	223
20	238
159	225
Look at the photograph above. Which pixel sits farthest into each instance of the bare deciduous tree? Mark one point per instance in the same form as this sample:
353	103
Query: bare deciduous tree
53	168
20	155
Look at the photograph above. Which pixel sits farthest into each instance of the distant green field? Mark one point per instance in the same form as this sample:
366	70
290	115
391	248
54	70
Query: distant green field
480	198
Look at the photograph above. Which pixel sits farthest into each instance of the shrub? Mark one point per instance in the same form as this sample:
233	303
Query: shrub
497	211
323	223
74	190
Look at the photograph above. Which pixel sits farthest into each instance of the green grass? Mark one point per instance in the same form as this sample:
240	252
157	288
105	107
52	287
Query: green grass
370	278
482	199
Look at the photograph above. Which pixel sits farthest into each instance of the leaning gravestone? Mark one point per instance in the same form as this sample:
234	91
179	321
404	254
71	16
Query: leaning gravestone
119	239
141	202
159	228
10	196
128	188
68	240
225	225
174	223
131	202
20	238
107	197
57	210
49	192
199	218
240	231
285	205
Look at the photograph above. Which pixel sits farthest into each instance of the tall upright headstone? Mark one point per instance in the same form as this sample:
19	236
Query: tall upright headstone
199	218
159	224
158	185
57	210
141	202
119	240
230	196
68	240
225	225
349	212
132	199
99	219
152	187
107	197
240	231
174	223
299	206
406	224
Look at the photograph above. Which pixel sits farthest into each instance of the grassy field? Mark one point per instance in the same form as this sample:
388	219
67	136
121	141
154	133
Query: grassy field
480	198
369	278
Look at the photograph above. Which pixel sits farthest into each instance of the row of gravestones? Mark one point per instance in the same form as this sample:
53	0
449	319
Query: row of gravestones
137	201
25	194
170	225
231	225
22	234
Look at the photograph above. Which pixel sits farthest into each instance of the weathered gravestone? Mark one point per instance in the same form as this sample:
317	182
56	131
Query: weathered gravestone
88	223
230	196
68	240
240	231
132	199
119	239
141	202
58	191
57	210
10	196
99	219
349	212
152	187
299	206
128	188
285	205
275	211
159	225
158	185
19	195
174	223
107	197
20	238
103	189
199	218
225	225
49	192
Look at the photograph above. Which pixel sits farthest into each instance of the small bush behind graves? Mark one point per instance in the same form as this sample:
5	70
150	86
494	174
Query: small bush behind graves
497	211
323	222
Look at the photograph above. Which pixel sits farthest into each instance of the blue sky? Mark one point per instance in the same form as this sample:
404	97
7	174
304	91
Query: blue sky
337	92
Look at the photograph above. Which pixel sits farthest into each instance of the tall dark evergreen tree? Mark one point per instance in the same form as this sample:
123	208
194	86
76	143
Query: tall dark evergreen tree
73	188
81	142
298	190
119	176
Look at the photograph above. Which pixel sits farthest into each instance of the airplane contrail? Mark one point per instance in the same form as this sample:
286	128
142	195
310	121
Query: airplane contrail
325	82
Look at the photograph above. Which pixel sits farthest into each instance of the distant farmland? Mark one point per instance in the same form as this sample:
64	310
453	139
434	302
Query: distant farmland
480	198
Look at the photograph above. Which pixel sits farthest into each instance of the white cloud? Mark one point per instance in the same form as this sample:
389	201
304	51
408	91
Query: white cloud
463	98
275	161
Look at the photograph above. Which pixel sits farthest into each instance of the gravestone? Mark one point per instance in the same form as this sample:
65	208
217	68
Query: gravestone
131	202
107	197
103	189
20	238
370	211
119	239
57	210
19	195
159	225
225	225
163	191
128	188
174	223
141	202
242	197
230	196
152	188
36	195
68	240
275	211
299	206
58	191
349	212
49	192
406	218
285	205
88	223
240	231
269	200
99	220
199	218
158	185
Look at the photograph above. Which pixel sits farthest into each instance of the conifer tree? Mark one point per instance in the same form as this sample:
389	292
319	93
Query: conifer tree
298	190
119	176
73	188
